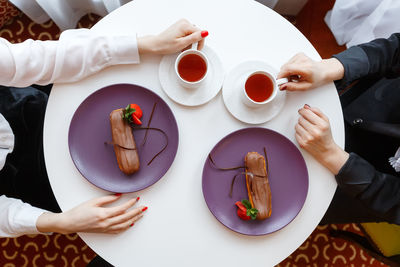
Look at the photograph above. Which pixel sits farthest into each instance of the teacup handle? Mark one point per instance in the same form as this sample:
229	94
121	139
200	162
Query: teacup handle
194	45
281	81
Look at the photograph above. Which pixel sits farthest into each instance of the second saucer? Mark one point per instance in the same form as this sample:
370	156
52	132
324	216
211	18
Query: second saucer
233	90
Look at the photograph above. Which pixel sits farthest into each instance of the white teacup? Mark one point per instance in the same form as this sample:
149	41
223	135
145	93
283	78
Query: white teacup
260	88
189	68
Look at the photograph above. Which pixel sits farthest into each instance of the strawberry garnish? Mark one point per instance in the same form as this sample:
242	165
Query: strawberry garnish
241	211
136	120
132	114
245	210
137	110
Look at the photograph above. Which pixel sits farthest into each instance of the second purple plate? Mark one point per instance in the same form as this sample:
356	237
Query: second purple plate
90	129
288	178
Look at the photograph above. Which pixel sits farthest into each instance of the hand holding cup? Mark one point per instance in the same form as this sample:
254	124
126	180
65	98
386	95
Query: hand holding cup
308	73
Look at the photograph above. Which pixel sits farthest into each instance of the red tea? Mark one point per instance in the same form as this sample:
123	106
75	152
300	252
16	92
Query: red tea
192	68
259	87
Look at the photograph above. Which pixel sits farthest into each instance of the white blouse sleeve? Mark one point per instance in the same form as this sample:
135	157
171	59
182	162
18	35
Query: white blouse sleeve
17	218
77	54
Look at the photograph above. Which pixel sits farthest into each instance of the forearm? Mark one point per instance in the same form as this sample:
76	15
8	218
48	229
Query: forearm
78	53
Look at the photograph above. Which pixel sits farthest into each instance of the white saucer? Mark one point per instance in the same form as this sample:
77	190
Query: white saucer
191	97
233	86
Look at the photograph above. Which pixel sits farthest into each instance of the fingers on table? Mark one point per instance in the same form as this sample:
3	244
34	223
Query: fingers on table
312	115
126	220
311	125
120	209
120	218
318	112
104	200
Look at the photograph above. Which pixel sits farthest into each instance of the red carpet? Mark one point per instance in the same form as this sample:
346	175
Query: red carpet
69	250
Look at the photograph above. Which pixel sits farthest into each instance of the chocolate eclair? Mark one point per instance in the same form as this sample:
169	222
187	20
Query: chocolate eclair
257	183
124	143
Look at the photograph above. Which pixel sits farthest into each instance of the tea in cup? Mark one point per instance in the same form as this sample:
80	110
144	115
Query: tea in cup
260	88
191	67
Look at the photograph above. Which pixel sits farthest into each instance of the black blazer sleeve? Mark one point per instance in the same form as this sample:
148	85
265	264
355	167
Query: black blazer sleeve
378	191
379	58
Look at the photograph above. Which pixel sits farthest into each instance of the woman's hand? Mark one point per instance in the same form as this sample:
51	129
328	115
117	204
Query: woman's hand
92	217
309	73
313	133
177	37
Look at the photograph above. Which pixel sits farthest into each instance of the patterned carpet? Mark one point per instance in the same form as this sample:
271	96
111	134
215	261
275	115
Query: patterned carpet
69	250
44	250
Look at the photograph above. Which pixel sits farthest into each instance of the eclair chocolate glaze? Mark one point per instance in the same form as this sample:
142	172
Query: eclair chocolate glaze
124	143
258	187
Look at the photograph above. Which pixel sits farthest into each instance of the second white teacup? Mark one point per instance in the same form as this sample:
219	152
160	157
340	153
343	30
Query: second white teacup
191	68
260	88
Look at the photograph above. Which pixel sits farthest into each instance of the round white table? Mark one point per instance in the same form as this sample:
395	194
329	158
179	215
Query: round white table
178	229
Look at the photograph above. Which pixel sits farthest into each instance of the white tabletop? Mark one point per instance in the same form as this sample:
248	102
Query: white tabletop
178	229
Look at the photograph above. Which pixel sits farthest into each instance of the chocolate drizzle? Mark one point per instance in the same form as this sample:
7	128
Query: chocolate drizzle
118	145
223	169
148	124
233	182
241	173
156	129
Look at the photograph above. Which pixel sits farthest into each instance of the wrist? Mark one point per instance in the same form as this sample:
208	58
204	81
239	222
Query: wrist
334	158
51	222
333	69
147	44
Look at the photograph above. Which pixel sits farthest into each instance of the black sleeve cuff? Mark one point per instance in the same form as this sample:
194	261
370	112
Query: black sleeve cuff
356	65
355	175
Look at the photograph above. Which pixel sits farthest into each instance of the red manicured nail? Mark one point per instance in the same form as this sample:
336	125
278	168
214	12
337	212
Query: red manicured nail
145	208
137	199
307	106
118	194
131	224
283	87
204	34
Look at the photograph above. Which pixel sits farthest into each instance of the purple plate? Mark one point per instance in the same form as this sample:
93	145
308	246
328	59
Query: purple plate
288	178
90	128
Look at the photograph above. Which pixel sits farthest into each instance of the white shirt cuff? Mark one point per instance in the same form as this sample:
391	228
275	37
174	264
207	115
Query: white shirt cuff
124	50
26	219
